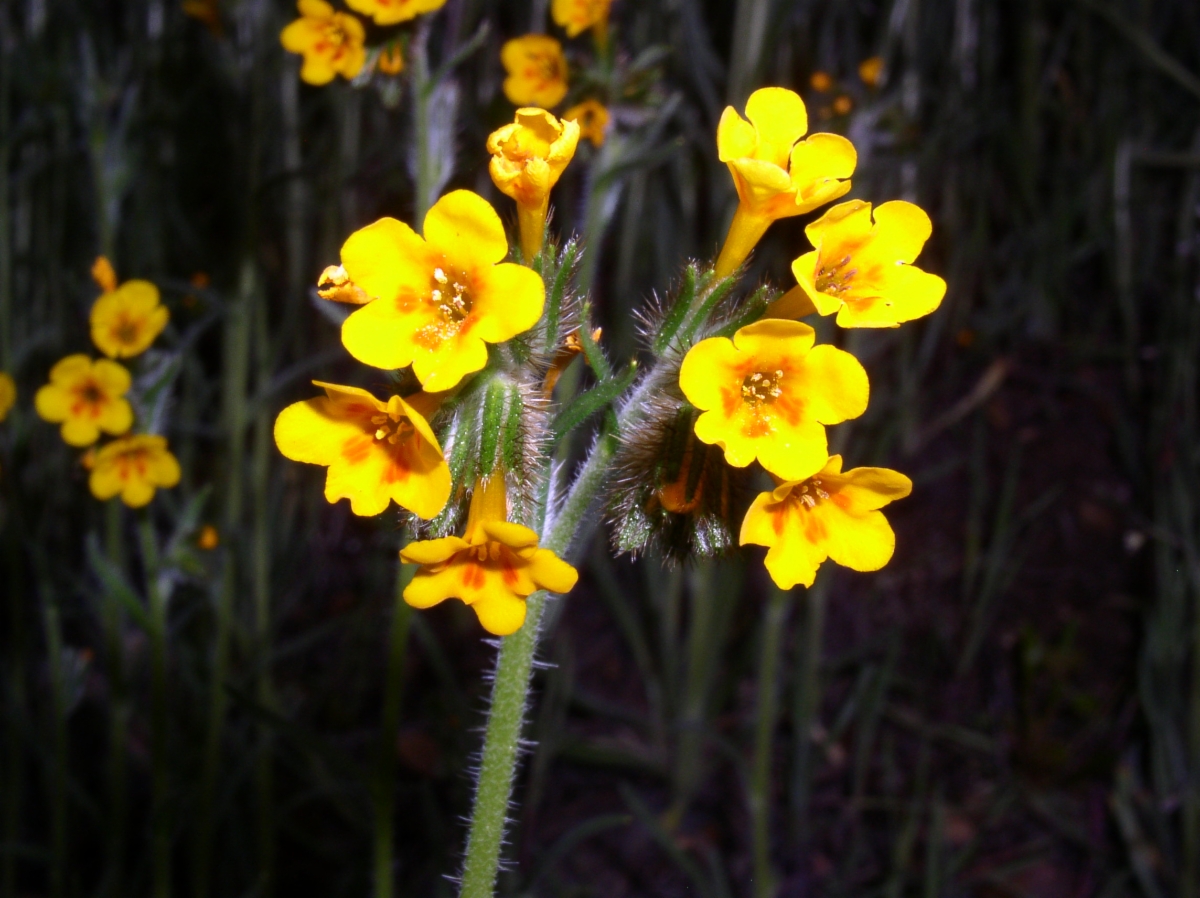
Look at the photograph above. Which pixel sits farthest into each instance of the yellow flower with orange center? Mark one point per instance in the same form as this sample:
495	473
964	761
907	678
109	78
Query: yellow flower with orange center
435	303
133	467
86	397
576	16
528	157
592	118
537	71
493	567
8	394
330	42
389	12
768	393
828	515
127	319
376	451
862	265
776	174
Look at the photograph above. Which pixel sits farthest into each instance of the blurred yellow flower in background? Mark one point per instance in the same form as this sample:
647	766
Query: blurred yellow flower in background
577	16
829	515
103	274
537	71
389	12
592	118
206	11
843	104
86	397
209	538
438	301
330	42
375	451
125	321
133	466
862	265
493	567
8	394
776	174
768	393
391	60
821	81
869	70
528	157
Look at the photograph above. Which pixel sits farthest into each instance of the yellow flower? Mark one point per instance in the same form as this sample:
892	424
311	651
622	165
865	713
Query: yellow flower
537	71
829	515
103	274
776	174
389	12
133	466
528	157
493	567
768	394
862	269
390	61
209	538
125	321
843	104
579	15
821	82
86	397
592	118
331	42
869	70
437	302
8	394
375	451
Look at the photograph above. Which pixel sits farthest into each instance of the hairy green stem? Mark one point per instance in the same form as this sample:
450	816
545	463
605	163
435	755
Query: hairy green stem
160	785
779	607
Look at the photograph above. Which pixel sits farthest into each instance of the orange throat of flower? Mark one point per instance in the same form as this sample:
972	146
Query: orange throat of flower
450	306
89	399
759	393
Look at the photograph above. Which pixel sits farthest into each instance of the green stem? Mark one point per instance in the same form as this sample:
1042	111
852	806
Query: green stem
160	783
385	770
510	690
774	623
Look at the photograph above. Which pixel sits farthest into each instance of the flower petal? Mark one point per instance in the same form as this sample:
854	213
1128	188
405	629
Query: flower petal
433	551
509	301
116	417
735	136
551	572
707	371
834	384
820	169
387	259
464	225
52	403
381	333
779	117
862	542
901	229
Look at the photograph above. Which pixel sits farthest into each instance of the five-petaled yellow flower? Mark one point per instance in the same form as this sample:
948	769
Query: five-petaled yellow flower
592	118
862	269
776	174
8	394
493	567
768	393
537	71
829	515
125	321
86	397
577	16
435	303
389	12
528	157
376	451
133	466
331	42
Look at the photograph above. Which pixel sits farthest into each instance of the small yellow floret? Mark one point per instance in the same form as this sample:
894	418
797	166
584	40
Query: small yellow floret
390	61
133	466
768	393
493	567
209	538
86	397
592	118
577	16
537	71
103	274
389	12
8	394
869	70
330	42
125	321
829	515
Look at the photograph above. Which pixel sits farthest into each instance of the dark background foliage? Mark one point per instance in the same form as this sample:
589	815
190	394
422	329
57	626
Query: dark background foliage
1011	708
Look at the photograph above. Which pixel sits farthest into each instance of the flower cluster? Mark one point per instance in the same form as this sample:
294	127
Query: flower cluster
89	397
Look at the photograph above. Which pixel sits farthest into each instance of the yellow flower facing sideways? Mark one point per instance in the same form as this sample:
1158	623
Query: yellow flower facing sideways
389	12
330	42
435	303
8	394
493	567
528	157
862	265
592	118
86	397
829	515
768	393
125	321
776	174
577	16
537	71
133	467
375	451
